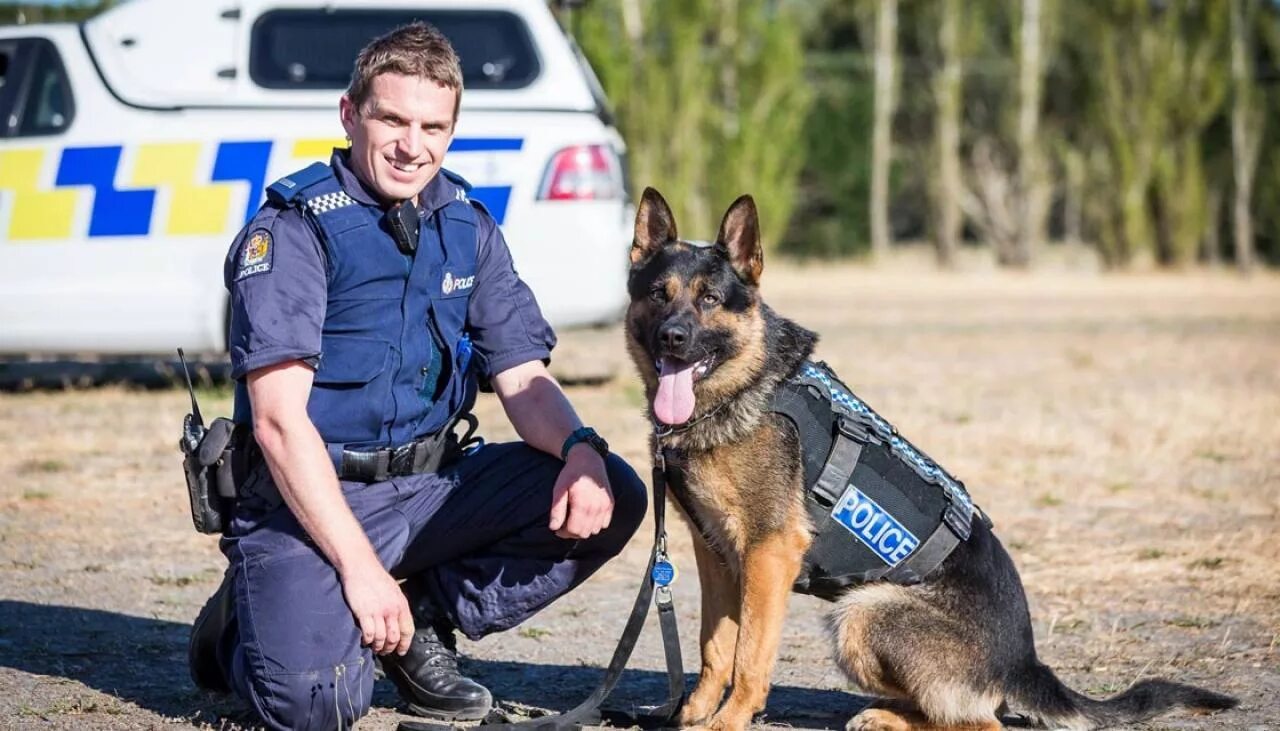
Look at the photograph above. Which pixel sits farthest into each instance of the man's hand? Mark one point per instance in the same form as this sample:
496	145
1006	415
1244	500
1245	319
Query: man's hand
305	477
581	503
380	608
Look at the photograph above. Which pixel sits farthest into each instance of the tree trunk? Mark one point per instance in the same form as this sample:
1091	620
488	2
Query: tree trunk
1246	128
949	91
1073	208
1212	229
633	23
881	135
1034	195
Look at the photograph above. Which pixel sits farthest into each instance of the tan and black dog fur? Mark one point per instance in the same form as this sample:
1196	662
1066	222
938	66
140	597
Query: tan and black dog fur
953	651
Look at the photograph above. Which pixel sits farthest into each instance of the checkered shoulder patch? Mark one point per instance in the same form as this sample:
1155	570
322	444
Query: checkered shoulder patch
329	202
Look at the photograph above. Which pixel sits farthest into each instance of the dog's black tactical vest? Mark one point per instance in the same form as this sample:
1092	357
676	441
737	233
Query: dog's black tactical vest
881	509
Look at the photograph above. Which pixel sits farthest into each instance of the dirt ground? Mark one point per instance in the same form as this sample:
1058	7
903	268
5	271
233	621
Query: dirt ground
1122	431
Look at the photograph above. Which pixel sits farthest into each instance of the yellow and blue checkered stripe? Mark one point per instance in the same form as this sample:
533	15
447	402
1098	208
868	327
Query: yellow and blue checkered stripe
125	205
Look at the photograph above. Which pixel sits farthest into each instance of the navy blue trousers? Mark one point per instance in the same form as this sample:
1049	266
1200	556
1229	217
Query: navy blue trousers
473	536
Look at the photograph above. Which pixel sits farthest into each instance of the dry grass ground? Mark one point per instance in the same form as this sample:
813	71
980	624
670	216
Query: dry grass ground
1123	432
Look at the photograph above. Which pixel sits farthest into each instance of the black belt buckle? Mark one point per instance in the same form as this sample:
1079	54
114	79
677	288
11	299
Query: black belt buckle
400	459
365	466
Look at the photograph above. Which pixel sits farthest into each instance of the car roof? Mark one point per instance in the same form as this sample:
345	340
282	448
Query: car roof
147	61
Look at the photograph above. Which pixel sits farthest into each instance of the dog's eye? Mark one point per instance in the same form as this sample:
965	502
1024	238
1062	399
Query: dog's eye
710	299
658	294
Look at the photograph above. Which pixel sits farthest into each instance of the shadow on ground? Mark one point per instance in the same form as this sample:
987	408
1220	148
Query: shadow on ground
564	686
139	660
143	661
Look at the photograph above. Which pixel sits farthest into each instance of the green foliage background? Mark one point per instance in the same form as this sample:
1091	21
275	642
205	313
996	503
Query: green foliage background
774	97
1137	100
712	101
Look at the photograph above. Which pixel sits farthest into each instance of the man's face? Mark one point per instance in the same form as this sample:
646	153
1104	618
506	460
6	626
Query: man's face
400	134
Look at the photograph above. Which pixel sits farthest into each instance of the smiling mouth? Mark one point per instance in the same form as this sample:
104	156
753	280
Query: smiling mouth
404	167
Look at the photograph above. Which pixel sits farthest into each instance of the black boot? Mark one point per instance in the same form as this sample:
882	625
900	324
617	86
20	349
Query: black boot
206	632
428	679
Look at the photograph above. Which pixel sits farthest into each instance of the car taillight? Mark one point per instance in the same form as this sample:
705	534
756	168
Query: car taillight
582	172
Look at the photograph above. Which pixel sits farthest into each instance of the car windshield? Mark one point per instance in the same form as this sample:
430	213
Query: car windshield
315	49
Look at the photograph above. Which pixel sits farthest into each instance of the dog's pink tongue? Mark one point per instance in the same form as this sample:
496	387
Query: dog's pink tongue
673	404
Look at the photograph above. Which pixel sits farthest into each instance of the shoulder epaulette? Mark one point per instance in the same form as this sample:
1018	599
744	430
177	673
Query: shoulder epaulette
456	179
286	189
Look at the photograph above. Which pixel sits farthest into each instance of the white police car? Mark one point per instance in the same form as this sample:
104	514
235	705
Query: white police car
134	146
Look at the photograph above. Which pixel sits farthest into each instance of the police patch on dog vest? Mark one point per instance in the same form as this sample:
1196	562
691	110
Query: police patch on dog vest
872	525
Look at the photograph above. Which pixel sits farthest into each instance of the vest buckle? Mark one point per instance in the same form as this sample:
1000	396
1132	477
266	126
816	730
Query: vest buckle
852	429
959	518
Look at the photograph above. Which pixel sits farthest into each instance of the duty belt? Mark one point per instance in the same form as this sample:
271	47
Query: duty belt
412	458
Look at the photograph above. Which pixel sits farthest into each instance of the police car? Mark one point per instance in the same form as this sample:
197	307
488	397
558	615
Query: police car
134	146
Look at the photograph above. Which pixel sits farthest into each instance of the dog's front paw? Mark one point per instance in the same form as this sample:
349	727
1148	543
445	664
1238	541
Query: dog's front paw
701	704
690	719
877	719
723	722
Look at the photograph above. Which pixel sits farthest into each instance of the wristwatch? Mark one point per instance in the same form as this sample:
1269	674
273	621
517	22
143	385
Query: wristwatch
588	435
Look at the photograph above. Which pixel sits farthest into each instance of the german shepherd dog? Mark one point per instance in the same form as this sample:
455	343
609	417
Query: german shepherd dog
951	652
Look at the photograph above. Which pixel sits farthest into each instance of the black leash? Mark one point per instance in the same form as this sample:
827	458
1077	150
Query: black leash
658	577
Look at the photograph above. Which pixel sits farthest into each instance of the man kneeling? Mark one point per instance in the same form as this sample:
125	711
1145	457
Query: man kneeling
369	296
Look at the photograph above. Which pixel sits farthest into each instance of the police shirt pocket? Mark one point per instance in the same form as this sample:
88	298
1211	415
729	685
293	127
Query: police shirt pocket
456	282
351	389
452	298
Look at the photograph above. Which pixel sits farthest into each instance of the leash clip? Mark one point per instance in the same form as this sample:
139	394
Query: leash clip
659	458
662	596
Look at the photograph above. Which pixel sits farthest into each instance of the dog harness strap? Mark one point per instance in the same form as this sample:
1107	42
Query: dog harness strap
675	480
845	450
926	558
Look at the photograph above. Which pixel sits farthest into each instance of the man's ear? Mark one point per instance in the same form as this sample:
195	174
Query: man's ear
347	113
740	235
655	226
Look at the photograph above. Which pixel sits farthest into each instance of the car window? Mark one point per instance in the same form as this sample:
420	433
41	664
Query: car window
47	109
35	94
9	71
309	49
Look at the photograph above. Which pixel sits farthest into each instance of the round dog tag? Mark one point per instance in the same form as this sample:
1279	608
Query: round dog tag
664	573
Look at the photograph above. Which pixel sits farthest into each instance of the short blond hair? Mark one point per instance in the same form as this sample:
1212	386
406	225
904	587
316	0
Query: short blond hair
417	49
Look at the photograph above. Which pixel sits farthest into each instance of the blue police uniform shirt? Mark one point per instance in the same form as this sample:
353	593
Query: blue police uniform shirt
279	274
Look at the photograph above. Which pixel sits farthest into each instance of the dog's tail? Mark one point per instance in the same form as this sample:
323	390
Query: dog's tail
1053	704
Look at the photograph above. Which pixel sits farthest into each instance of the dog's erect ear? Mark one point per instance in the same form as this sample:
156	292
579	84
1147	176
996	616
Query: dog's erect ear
655	226
740	234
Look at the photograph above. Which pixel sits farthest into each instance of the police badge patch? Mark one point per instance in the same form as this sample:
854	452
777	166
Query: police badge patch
255	258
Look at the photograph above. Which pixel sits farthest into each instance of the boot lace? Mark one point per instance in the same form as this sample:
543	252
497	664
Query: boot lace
441	648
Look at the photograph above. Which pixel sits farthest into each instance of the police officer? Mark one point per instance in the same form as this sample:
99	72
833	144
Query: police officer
367	296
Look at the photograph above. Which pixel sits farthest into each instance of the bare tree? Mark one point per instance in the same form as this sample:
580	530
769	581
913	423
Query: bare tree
1009	195
1212	237
1034	187
1246	126
881	135
948	91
